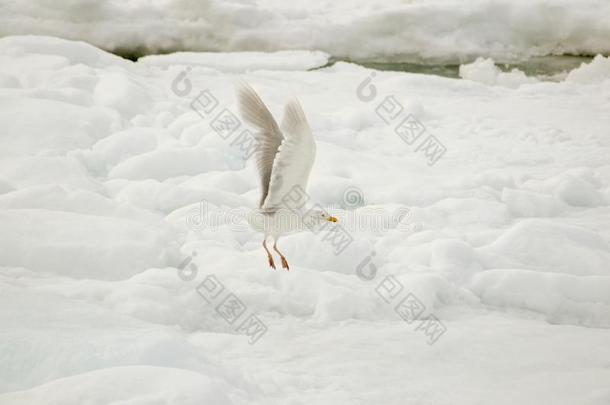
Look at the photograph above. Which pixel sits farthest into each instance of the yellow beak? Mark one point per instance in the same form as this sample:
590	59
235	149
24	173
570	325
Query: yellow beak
332	219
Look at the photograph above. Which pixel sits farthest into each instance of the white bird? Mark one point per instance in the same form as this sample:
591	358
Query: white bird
284	158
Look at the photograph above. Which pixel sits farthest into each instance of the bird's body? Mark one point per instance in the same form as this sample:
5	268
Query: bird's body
276	222
284	158
284	221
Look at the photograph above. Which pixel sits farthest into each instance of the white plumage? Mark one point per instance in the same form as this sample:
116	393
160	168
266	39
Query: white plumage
284	158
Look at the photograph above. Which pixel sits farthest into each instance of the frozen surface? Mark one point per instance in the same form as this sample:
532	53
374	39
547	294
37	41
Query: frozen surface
239	62
447	30
112	189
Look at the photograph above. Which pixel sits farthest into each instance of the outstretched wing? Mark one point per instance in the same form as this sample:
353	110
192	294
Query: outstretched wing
268	137
294	157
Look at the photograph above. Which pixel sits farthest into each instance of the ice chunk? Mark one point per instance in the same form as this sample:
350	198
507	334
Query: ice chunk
74	52
578	192
32	125
81	246
130	384
485	71
524	203
549	246
598	70
562	298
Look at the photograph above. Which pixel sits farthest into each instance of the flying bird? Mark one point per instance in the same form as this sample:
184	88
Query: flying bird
284	157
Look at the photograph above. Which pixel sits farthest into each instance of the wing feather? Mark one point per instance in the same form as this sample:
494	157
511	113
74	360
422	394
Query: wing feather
295	156
268	135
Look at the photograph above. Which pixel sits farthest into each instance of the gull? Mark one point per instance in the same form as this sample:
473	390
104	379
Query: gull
284	157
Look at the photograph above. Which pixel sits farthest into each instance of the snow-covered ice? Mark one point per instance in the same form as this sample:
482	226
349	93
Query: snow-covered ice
117	200
442	30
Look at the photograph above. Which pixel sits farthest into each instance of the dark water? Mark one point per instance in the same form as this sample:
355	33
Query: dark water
543	67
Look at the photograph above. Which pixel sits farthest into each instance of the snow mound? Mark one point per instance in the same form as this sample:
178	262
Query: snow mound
34	125
91	336
118	91
523	203
455	258
81	246
36	170
578	192
596	71
121	145
61	198
164	163
549	246
9	81
73	52
130	385
563	298
485	71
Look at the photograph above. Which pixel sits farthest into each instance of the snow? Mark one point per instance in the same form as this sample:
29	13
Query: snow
486	72
239	62
118	204
98	246
571	250
444	30
563	298
130	384
590	73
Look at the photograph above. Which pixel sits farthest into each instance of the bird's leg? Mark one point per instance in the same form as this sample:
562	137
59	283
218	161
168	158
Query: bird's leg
284	262
271	263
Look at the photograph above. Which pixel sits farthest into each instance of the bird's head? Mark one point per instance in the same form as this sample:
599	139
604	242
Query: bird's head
322	216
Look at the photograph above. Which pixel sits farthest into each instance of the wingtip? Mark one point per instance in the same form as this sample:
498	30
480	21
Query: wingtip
240	86
294	114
